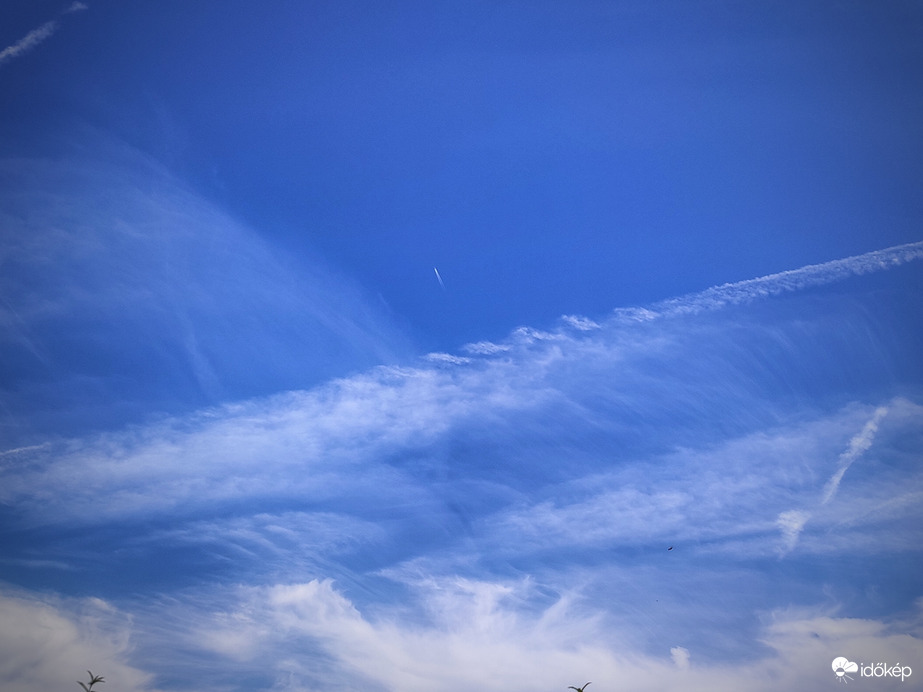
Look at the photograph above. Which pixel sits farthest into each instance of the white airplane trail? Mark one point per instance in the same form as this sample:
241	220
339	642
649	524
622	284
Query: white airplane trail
37	36
439	278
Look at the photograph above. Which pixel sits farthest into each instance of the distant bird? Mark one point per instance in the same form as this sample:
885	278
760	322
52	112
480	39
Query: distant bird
579	689
670	548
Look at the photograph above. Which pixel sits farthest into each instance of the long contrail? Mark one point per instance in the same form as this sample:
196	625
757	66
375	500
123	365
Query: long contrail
36	36
774	284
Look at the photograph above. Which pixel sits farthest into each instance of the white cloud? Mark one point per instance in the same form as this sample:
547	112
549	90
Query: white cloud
529	334
486	348
490	636
447	359
583	324
680	657
475	635
49	643
635	314
571	445
343	442
299	443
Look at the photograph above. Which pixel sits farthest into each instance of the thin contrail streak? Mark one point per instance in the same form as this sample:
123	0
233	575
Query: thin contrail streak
792	523
782	282
857	446
439	278
29	41
36	36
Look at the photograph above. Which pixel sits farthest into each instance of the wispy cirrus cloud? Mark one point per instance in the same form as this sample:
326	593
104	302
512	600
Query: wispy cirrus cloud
146	297
553	383
502	519
705	499
479	634
36	36
303	635
791	523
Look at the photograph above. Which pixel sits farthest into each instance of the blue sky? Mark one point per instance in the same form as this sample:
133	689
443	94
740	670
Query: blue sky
656	423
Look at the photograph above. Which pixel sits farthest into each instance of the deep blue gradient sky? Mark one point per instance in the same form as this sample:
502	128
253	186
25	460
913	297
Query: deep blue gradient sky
250	440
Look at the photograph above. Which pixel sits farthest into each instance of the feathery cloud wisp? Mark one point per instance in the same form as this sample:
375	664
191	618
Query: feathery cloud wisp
158	289
791	523
475	636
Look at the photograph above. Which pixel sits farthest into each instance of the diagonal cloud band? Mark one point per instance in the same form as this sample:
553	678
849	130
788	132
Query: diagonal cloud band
298	443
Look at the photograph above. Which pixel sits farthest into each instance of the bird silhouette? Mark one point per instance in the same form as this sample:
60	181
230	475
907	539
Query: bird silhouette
579	689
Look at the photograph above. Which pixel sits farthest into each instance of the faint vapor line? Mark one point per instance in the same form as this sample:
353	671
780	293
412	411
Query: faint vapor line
857	446
36	36
792	523
439	278
32	39
20	450
11	321
774	284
